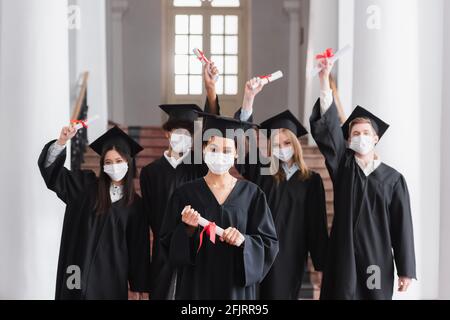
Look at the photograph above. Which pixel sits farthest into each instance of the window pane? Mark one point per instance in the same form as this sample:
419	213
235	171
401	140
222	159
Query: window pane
231	44
195	66
195	84
231	64
195	42
219	85
187	3
181	44
216	44
181	24
181	64
231	25
218	61
225	3
196	25
231	85
181	84
217	24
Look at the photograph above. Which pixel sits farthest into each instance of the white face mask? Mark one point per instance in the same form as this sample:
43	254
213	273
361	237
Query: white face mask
180	143
219	163
362	144
284	154
116	171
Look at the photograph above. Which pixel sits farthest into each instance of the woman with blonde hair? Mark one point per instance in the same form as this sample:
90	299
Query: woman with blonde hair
295	195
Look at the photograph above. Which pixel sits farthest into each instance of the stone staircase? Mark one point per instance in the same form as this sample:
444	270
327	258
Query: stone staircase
154	142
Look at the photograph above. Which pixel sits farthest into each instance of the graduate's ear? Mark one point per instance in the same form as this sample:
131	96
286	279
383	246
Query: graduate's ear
376	139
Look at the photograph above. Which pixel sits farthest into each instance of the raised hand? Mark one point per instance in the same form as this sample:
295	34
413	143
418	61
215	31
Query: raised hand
66	134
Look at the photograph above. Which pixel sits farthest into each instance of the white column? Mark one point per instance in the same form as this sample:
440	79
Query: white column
292	7
88	53
344	66
398	76
34	104
444	260
118	9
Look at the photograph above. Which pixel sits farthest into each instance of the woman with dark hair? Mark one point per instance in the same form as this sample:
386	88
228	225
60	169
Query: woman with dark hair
232	267
105	238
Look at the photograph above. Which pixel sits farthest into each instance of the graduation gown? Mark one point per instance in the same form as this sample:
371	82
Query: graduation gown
220	271
299	212
111	250
158	181
372	224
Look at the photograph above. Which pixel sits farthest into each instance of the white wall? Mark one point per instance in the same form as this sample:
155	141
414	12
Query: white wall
34	104
142	25
88	53
270	52
444	262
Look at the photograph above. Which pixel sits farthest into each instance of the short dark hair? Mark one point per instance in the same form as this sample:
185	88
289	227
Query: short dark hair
177	124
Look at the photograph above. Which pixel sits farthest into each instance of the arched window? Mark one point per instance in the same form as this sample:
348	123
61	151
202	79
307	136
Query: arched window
217	27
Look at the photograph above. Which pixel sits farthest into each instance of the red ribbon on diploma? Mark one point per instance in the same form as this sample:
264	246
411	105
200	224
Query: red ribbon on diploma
265	77
326	55
202	57
210	230
83	123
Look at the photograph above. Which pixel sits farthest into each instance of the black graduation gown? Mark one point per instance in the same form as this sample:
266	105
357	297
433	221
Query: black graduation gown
111	250
220	271
372	223
299	211
158	181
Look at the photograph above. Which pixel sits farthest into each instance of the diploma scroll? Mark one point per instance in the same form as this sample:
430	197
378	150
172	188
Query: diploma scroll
333	59
201	56
269	78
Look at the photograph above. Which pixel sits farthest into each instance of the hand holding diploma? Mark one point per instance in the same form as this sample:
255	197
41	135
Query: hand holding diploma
206	63
66	134
332	58
193	219
267	79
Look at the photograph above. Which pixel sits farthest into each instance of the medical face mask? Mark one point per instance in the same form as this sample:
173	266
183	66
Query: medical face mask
116	171
219	163
362	144
180	143
284	154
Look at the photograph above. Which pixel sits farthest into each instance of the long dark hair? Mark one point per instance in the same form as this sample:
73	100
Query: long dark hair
103	203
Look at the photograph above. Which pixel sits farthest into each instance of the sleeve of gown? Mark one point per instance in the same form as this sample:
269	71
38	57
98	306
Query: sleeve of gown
326	131
317	223
176	245
212	109
240	115
146	196
261	242
65	183
138	242
402	231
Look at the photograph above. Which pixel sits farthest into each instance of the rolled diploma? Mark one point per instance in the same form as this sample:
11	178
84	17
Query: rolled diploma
335	58
203	222
78	126
273	77
201	56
